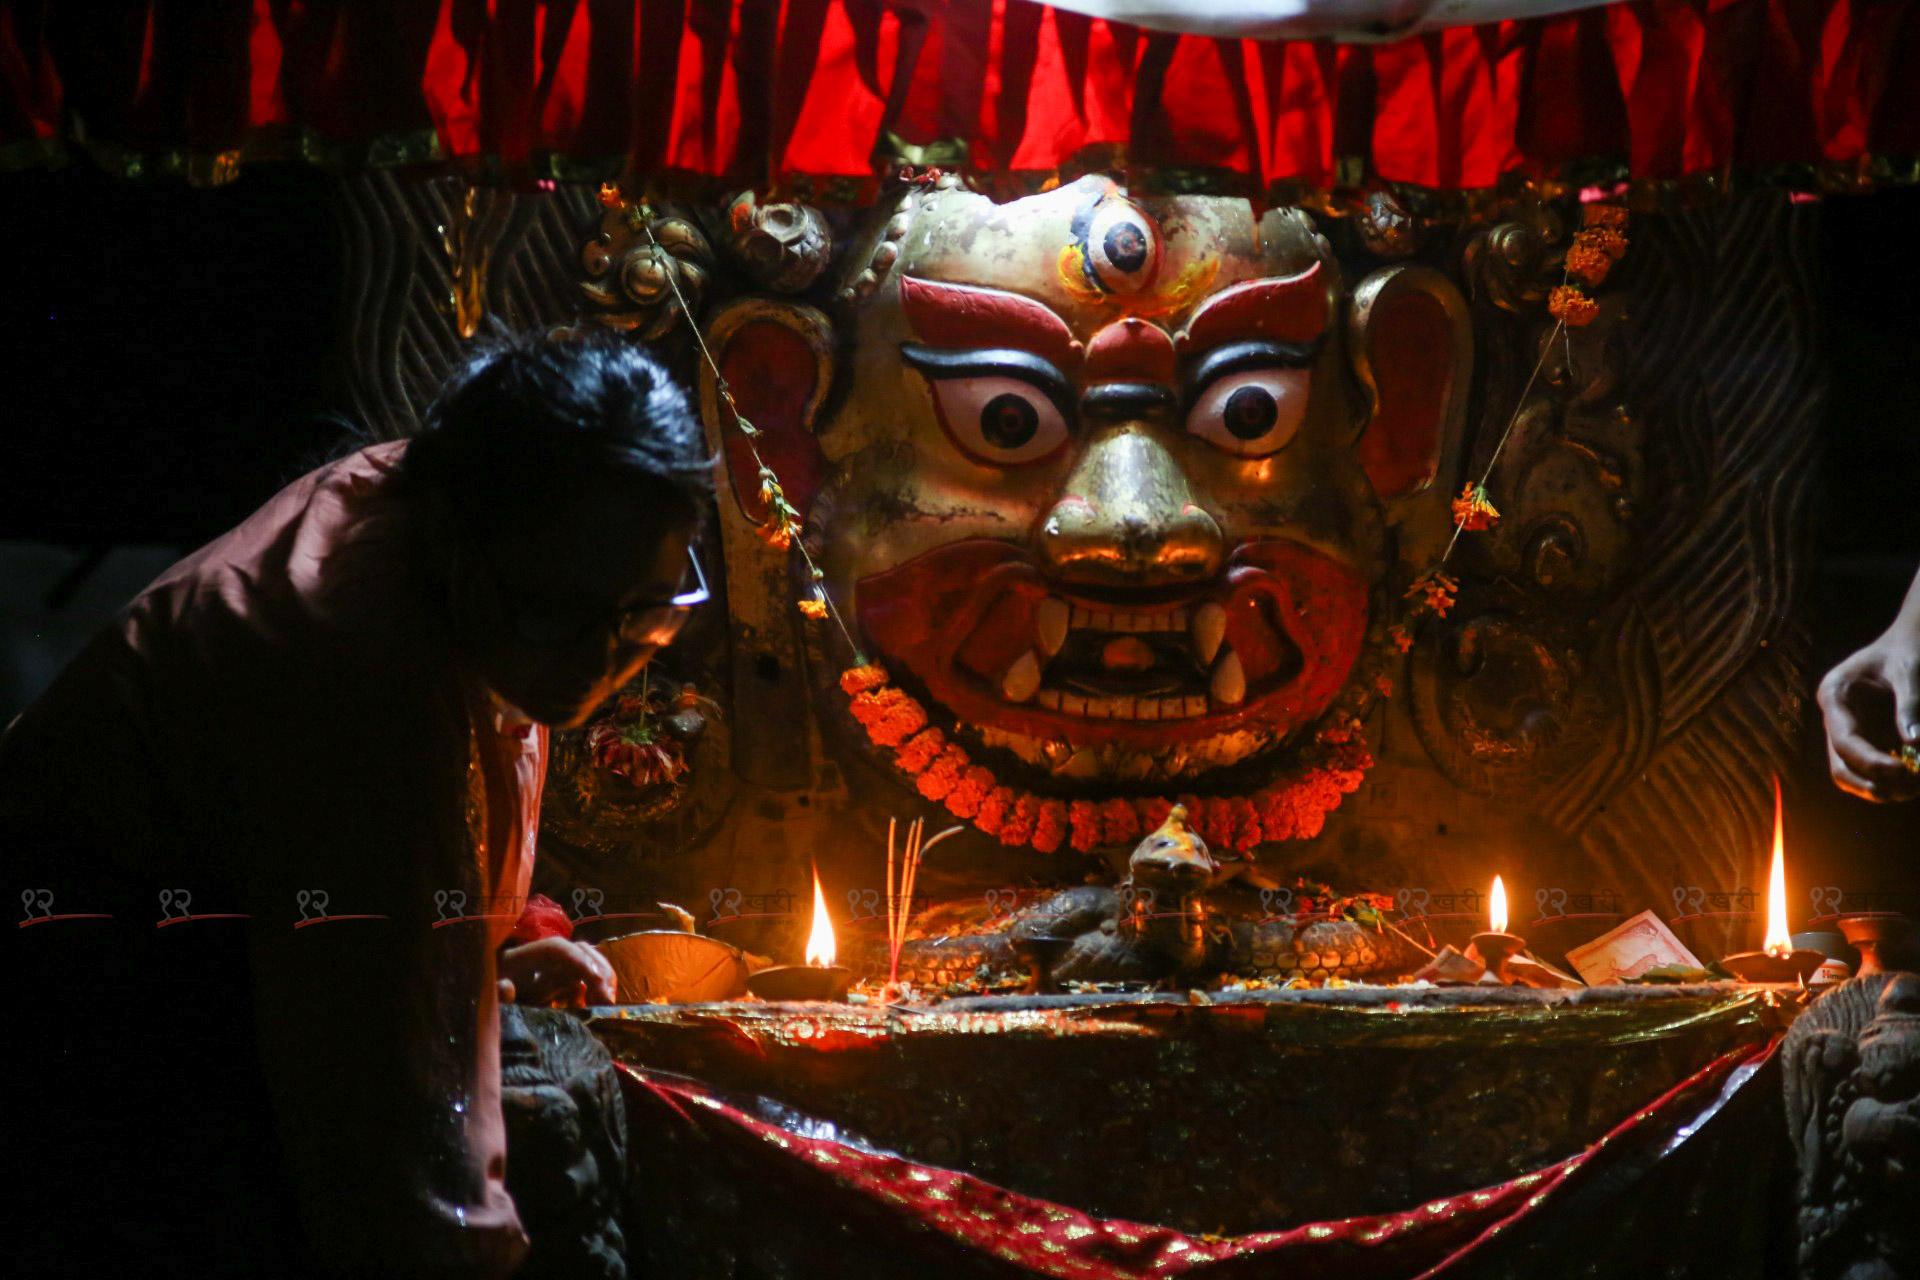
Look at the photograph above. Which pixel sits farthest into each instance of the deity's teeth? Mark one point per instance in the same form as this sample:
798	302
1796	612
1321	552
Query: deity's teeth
1049	698
1147	709
1056	616
1229	685
1073	704
1022	679
1173	708
1051	622
1196	706
1081	764
1209	629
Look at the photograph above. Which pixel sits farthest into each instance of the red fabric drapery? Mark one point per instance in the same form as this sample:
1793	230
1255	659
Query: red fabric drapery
757	92
812	1195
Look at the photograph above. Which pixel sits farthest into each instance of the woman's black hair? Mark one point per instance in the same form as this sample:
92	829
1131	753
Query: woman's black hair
529	417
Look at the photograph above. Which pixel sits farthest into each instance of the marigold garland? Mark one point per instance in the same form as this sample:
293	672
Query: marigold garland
1435	592
1293	808
861	679
1604	239
1598	244
1611	216
1587	263
1571	307
1473	510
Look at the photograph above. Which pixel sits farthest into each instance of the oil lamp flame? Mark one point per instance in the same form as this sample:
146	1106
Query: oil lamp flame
820	941
1778	941
1497	907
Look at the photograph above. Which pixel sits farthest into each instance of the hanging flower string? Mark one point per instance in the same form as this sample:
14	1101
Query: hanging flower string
1600	242
781	528
1473	511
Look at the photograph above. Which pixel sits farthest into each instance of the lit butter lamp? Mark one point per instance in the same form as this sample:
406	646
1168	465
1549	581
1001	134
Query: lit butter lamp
819	978
1777	960
1495	947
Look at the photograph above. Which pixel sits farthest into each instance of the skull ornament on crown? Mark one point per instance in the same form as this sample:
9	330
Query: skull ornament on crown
1106	483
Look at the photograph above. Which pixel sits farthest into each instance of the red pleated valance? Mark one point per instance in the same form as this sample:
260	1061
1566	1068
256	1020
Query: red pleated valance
759	92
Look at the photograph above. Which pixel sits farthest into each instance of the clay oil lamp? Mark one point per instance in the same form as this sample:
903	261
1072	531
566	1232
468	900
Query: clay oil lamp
819	978
1496	946
1777	960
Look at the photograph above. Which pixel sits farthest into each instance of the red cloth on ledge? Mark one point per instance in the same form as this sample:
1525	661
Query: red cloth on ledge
757	92
813	1196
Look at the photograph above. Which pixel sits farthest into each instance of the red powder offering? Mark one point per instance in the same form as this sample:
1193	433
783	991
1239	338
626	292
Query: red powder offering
543	918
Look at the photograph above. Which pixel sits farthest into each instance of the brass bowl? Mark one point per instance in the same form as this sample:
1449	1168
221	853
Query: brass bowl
675	967
1885	940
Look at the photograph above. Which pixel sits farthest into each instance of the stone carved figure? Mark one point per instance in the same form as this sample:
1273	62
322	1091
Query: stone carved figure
1853	1109
566	1144
1167	923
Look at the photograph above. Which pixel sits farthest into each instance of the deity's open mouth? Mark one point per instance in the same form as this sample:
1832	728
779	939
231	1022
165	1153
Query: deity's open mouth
1144	685
1143	664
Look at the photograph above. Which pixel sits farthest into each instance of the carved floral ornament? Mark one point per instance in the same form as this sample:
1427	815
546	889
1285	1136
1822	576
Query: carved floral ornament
1101	515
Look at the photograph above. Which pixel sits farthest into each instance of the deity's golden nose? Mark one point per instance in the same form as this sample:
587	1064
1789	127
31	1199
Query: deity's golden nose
1126	517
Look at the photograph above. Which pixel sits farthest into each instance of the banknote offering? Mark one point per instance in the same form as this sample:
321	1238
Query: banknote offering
1628	950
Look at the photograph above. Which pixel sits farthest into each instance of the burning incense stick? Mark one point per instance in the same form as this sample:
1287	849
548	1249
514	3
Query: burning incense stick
900	906
896	906
950	831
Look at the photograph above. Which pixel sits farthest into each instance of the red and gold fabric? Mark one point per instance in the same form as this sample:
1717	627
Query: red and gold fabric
762	93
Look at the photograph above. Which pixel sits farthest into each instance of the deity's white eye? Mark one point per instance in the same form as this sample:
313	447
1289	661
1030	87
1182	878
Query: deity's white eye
1001	421
1123	247
1251	413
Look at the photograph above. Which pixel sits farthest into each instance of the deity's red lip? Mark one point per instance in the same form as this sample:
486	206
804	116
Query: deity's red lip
961	616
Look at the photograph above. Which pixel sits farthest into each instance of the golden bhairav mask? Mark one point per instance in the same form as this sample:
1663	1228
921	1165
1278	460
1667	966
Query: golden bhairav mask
1107	481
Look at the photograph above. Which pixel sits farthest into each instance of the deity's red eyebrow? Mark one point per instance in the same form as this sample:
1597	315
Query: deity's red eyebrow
1288	309
966	316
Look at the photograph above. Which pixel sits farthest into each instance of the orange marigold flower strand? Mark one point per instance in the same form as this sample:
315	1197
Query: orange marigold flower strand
1293	808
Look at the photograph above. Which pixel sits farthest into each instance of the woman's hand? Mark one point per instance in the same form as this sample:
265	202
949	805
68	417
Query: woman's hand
1871	703
558	971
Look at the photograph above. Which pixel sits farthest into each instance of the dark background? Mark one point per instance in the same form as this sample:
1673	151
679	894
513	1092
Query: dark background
169	362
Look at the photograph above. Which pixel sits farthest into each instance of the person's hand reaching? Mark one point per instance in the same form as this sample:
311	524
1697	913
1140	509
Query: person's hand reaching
1871	703
557	971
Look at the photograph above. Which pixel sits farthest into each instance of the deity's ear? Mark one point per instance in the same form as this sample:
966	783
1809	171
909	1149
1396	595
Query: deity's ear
777	359
1412	345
